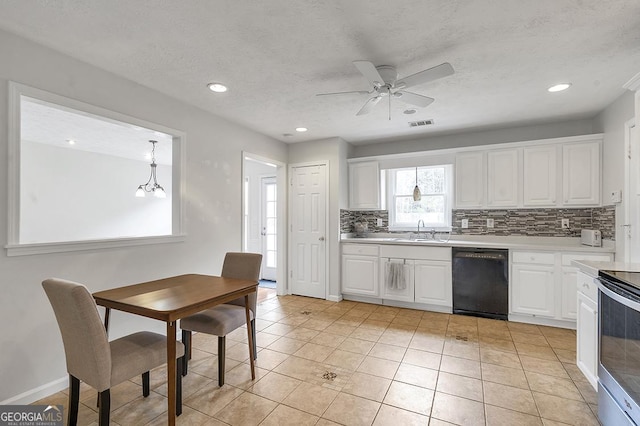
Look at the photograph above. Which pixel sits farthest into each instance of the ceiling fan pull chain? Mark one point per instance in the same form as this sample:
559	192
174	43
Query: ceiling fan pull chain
389	106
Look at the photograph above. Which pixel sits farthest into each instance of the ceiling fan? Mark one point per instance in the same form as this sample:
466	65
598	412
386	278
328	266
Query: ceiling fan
385	83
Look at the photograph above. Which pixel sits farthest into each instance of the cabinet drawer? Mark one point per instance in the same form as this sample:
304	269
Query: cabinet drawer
361	249
587	286
533	257
568	258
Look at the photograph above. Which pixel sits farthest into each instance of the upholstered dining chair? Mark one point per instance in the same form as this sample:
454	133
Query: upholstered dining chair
223	319
90	356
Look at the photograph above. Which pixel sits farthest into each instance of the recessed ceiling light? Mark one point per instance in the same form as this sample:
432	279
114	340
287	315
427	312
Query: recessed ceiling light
410	111
217	87
301	129
286	135
559	87
71	142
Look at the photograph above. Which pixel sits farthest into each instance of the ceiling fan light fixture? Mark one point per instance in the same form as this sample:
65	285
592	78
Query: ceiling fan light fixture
559	87
217	87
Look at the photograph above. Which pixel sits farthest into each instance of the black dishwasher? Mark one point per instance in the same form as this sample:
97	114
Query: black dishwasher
481	282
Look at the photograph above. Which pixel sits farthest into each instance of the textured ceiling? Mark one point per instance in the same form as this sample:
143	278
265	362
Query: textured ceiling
276	55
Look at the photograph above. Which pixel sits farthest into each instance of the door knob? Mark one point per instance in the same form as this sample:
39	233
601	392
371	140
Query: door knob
321	239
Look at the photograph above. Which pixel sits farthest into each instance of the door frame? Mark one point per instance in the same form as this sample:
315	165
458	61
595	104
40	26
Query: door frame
628	125
327	239
282	283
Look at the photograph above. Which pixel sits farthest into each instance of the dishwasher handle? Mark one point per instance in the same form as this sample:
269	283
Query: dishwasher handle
480	255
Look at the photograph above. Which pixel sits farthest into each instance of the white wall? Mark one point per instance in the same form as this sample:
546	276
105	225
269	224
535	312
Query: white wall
611	122
74	195
334	151
32	353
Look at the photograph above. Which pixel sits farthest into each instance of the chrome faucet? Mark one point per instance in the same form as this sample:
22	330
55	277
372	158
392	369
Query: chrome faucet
419	222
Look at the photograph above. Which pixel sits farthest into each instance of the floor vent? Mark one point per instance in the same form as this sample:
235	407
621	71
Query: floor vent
420	123
329	376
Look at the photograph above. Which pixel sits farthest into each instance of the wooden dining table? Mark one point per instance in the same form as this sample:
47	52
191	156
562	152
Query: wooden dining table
173	298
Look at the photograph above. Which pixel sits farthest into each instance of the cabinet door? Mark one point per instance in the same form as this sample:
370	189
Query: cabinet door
469	179
569	292
539	178
398	284
360	275
581	173
364	185
433	283
533	290
502	178
587	334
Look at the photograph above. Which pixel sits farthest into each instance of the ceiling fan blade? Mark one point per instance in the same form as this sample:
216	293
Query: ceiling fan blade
439	71
413	98
370	72
368	106
359	92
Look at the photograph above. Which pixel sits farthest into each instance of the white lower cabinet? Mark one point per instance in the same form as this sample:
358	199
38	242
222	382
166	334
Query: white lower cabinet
533	289
543	286
360	269
399	287
433	282
587	328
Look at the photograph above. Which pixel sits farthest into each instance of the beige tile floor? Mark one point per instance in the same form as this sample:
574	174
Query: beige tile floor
326	363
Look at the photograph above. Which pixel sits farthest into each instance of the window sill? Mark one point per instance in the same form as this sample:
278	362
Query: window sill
425	228
68	246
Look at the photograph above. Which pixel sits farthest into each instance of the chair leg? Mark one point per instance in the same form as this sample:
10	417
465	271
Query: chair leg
255	346
179	385
221	356
105	407
74	399
145	384
186	341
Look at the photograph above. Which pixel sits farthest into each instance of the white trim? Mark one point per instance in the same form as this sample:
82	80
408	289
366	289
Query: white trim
628	125
38	393
567	139
282	283
327	199
67	246
633	84
179	178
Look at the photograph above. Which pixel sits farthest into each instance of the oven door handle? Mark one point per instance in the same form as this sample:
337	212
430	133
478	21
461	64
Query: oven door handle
603	286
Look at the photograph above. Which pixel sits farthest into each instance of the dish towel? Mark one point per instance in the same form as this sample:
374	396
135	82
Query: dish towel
395	276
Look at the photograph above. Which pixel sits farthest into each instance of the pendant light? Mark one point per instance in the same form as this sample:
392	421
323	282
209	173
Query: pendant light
417	196
158	191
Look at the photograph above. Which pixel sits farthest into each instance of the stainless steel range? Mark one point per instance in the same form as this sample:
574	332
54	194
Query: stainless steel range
619	348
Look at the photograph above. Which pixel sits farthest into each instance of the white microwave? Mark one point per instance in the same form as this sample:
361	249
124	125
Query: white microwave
591	237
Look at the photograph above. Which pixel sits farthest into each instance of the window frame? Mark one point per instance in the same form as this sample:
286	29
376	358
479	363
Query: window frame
390	195
15	248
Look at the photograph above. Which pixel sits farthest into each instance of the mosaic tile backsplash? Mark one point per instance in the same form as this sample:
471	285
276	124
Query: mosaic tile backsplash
523	222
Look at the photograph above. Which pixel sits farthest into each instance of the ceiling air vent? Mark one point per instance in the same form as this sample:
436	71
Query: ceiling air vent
420	123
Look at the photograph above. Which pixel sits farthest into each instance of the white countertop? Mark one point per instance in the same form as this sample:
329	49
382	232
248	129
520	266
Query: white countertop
592	268
486	241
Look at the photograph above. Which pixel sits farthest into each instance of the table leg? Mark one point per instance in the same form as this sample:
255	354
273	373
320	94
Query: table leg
171	372
250	336
107	312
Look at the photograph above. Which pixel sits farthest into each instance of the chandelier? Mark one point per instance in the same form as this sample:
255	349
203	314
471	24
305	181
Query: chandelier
158	191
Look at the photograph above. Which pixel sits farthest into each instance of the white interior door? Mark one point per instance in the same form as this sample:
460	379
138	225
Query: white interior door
632	225
269	228
308	231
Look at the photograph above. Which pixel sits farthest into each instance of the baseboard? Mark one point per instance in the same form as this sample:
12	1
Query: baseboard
530	319
38	393
334	298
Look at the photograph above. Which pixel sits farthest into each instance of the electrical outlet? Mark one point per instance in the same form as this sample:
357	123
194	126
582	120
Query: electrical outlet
464	224
489	223
565	224
379	222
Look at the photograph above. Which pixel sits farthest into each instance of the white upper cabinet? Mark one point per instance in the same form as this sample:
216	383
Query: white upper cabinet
581	173
364	185
540	185
469	180
502	178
